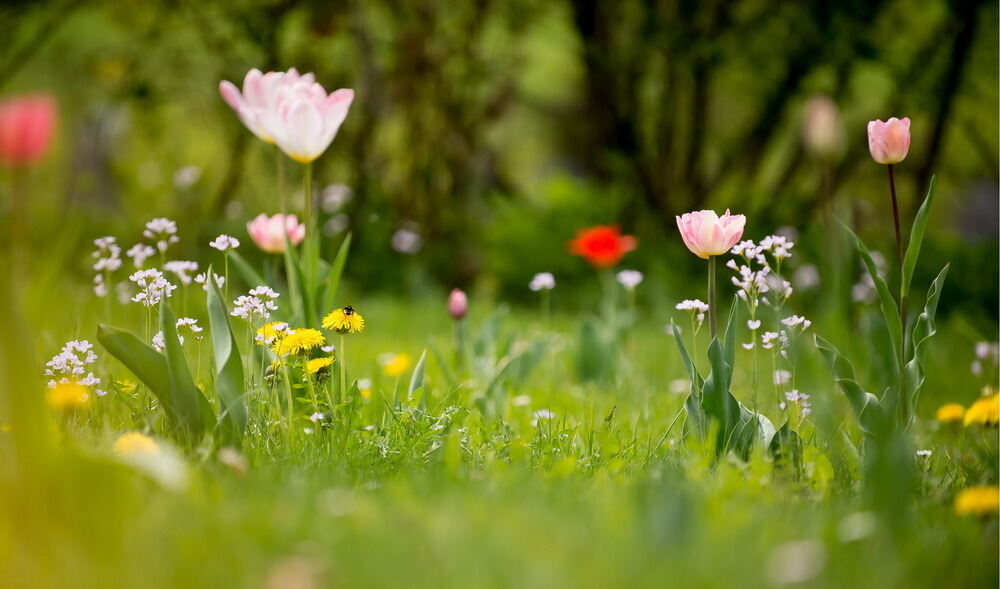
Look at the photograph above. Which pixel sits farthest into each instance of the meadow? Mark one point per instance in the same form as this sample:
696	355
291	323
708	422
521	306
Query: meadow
284	389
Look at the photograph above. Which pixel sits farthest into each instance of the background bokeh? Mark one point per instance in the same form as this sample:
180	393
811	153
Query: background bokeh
492	130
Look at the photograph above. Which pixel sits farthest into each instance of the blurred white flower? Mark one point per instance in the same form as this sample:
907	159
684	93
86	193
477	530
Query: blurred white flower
630	279
806	277
186	177
406	240
163	231
856	526
335	196
796	562
181	269
139	253
336	224
224	242
202	279
542	281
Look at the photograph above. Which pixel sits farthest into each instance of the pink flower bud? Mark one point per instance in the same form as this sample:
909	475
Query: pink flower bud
889	142
707	234
269	232
458	304
26	127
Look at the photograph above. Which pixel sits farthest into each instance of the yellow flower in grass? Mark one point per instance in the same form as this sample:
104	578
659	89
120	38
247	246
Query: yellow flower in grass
950	413
317	364
985	411
345	320
394	365
272	332
983	500
298	341
134	443
68	396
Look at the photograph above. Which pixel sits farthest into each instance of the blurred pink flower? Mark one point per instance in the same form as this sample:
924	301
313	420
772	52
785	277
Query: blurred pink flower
458	304
308	119
822	129
257	105
269	232
26	127
889	142
707	234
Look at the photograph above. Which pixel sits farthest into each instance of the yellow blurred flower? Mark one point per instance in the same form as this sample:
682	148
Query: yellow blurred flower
298	341
365	393
127	386
345	320
68	396
272	332
983	500
949	413
985	411
316	364
134	443
396	365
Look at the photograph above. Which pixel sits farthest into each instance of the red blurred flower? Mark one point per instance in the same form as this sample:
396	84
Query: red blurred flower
602	246
26	127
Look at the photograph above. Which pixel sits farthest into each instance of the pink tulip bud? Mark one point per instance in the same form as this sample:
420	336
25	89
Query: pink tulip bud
458	304
269	232
889	142
707	234
26	127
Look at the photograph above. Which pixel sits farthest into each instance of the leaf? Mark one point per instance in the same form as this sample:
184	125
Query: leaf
696	414
192	408
594	354
716	399
335	272
890	311
916	239
730	341
417	380
786	445
923	331
870	411
228	369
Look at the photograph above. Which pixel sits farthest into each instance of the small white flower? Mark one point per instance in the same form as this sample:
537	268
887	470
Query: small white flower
796	320
406	240
139	253
630	279
159	344
748	346
316	417
782	377
924	453
364	383
307	430
542	281
163	231
186	177
182	269
153	287
692	305
521	401
202	279
330	350
753	324
224	243
542	414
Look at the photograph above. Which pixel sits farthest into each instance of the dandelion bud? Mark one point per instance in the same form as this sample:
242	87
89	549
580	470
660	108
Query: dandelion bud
458	304
889	142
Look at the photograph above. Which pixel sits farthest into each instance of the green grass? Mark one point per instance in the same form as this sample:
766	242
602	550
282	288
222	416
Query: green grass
464	490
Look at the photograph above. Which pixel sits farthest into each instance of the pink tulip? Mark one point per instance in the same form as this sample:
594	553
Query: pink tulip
308	119
707	234
889	142
458	304
269	232
257	105
26	128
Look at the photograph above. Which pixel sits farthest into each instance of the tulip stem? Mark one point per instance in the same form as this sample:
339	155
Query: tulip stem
307	186
712	326
901	397
281	179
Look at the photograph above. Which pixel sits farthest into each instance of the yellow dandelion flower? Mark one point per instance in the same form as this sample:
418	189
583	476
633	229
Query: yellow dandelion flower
317	364
68	396
271	332
298	341
345	320
985	411
983	500
396	365
950	412
134	443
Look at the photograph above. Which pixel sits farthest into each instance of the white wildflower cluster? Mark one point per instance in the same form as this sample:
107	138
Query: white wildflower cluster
796	321
800	399
696	307
256	305
279	328
542	281
203	280
184	324
109	259
139	253
71	365
153	287
775	340
752	284
630	279
182	269
224	243
163	231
